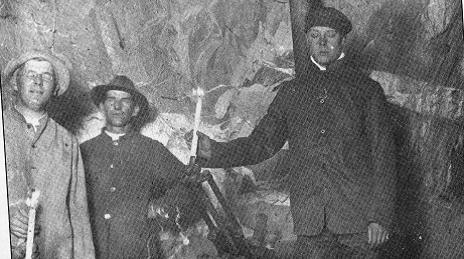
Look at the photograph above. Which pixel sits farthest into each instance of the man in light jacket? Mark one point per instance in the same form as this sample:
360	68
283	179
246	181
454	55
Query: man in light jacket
42	155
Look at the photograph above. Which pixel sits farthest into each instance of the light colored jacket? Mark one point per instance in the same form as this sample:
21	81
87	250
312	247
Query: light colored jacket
50	162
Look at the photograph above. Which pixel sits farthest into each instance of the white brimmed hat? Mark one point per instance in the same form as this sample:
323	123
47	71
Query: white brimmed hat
60	67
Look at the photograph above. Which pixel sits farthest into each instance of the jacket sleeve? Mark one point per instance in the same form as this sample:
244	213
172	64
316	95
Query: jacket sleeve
266	140
175	169
78	209
166	170
380	133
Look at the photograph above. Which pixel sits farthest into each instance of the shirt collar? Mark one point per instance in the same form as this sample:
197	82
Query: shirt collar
114	136
37	123
321	67
106	134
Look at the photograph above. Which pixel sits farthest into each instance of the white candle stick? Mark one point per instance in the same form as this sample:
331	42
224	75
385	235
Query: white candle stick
198	93
32	202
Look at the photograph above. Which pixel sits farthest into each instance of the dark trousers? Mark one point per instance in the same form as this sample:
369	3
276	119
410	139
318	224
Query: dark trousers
328	245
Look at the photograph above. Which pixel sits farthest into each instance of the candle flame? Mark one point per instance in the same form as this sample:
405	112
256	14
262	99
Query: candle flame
199	92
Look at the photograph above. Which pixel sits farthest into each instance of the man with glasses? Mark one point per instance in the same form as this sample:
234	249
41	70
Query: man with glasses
43	156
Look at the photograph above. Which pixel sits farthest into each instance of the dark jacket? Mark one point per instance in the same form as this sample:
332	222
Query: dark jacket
122	177
341	152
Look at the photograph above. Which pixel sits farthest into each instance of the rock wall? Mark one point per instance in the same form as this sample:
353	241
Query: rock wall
239	51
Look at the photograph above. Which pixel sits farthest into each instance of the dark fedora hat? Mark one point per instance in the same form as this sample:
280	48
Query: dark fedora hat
120	83
328	17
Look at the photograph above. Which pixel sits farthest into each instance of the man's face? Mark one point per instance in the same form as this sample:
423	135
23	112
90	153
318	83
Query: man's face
36	85
325	44
119	108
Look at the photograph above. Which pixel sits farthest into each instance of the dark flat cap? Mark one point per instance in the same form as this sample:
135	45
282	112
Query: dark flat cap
328	17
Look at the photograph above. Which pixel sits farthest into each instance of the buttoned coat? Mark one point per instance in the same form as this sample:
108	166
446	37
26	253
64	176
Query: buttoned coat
341	153
49	162
123	176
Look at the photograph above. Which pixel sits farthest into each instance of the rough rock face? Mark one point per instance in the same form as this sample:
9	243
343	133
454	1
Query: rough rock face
421	39
239	51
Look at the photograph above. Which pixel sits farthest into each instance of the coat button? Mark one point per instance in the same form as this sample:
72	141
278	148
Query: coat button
111	166
113	189
115	143
322	131
107	216
322	101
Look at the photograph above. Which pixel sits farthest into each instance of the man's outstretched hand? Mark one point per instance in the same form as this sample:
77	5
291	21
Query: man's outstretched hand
204	144
377	234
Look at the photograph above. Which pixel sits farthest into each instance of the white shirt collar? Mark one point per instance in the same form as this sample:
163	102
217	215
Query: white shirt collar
33	120
321	67
114	136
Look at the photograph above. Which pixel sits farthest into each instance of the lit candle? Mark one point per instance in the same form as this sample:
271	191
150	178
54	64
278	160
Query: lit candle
198	93
32	202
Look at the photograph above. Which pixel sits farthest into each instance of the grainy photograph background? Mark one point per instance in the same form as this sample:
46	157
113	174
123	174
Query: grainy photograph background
240	51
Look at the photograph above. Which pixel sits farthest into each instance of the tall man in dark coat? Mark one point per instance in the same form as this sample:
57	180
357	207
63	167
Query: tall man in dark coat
341	154
124	171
